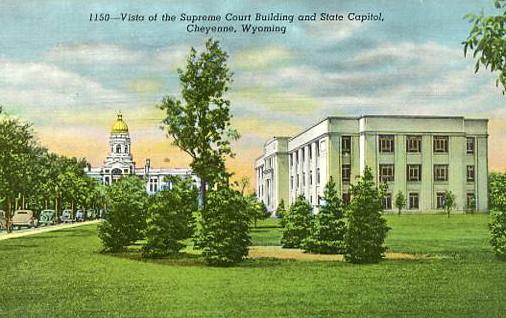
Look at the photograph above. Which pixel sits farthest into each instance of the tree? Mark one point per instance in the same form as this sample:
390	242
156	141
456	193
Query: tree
498	233
170	219
223	227
126	217
487	40
297	223
497	191
400	201
257	209
200	122
280	210
449	202
367	229
327	231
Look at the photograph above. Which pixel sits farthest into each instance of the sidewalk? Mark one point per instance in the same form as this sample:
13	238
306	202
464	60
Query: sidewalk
21	233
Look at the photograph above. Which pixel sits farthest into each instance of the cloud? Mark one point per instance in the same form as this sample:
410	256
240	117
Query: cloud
146	86
332	32
261	58
94	53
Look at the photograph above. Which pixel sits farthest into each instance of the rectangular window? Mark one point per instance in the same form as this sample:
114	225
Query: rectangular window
440	172
317	146
440	200
346	145
414	201
318	176
386	173
310	177
470	173
440	144
346	173
414	172
387	202
414	143
291	182
386	143
302	155
297	184
296	158
470	145
291	160
310	153
303	179
470	201
346	198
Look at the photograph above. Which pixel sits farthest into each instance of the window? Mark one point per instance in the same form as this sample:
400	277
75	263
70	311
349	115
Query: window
414	143
318	176
470	201
440	200
303	179
118	149
346	145
440	172
310	153
470	173
386	143
386	173
441	144
291	182
470	145
346	173
296	158
317	146
346	198
291	160
414	172
297	184
414	201
303	155
310	177
387	202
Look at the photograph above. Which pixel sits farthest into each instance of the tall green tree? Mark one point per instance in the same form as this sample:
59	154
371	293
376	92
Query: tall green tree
449	202
327	231
487	40
199	122
497	191
367	229
297	223
400	201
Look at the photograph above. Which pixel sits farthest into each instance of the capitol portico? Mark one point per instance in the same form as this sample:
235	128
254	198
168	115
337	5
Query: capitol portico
119	162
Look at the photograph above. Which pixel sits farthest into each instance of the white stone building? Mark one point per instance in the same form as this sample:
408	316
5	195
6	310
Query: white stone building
421	156
119	162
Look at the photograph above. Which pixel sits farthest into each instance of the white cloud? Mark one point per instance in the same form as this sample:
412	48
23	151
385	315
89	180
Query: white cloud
94	53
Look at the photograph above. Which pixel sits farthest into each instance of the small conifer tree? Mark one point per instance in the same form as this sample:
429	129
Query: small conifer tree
297	223
400	201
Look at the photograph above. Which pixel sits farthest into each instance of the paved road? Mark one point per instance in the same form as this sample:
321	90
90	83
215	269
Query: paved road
20	233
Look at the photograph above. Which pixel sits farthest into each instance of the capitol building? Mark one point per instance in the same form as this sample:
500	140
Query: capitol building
119	162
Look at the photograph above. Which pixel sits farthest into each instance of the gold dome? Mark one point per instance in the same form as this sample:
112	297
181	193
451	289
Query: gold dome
119	126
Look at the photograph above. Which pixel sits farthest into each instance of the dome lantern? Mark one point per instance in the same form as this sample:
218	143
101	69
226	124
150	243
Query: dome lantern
119	126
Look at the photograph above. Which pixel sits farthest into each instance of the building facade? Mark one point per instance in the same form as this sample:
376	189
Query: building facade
119	162
420	156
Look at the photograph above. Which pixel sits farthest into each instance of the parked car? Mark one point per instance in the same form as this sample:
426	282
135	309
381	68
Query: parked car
91	214
3	220
66	216
47	217
24	218
80	216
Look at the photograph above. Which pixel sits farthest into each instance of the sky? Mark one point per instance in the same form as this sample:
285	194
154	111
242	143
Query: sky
70	76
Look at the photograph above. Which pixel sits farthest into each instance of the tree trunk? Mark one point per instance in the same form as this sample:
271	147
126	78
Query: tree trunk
202	193
8	217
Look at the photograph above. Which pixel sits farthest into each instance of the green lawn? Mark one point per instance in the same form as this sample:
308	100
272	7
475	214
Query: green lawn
61	274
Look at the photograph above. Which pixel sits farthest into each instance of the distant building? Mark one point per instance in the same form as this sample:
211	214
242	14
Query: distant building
422	156
119	162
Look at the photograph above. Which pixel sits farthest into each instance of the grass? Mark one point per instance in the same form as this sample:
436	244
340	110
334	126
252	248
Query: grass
61	274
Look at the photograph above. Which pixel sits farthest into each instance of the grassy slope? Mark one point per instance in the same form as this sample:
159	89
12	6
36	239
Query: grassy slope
60	274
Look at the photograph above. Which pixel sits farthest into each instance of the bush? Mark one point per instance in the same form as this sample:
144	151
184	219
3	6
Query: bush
327	231
297	223
126	216
170	219
223	227
498	233
367	229
280	210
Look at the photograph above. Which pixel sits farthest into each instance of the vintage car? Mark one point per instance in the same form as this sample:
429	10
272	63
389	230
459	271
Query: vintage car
3	220
66	216
79	216
47	217
24	218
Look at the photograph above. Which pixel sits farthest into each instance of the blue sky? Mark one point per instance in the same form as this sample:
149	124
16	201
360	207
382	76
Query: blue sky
69	76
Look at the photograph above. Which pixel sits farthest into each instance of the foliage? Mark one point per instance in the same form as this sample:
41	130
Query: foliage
487	40
200	124
126	216
400	201
223	227
327	231
498	233
497	191
280	210
297	223
170	219
367	229
449	202
257	209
